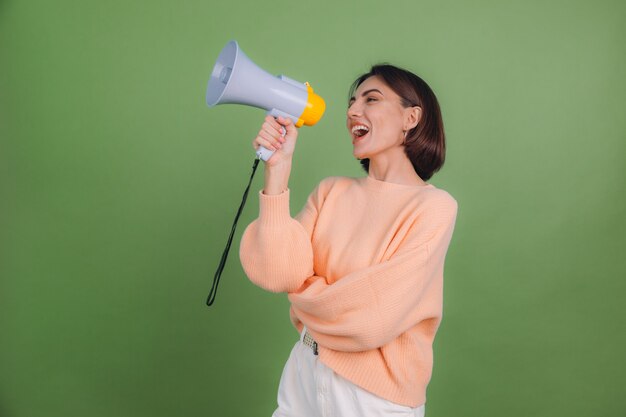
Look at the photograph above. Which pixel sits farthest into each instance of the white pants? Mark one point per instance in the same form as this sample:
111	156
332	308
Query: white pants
308	388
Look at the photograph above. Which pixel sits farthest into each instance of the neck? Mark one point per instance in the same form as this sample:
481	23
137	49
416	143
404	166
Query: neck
394	167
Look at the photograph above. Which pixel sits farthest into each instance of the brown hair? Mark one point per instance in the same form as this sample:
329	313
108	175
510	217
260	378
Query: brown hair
425	144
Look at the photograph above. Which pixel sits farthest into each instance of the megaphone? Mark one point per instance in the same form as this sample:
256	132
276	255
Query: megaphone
236	79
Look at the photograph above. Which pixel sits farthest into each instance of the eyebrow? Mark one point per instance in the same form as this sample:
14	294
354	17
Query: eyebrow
364	93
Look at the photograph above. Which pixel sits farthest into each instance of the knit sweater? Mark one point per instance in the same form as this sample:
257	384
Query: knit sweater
362	264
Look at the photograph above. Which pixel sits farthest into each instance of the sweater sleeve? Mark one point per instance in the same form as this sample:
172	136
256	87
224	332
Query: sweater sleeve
275	249
370	307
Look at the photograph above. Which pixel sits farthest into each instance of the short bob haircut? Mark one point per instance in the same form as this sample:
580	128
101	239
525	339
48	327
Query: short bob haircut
425	144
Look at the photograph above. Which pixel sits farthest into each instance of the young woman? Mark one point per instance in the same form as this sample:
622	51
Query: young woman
362	262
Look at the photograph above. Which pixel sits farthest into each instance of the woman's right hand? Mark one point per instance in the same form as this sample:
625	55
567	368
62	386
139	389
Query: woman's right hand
270	137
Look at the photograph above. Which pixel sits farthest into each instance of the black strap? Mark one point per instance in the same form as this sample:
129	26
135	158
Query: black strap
220	268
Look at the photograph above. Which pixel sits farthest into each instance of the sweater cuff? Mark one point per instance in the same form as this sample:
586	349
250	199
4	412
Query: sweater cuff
274	209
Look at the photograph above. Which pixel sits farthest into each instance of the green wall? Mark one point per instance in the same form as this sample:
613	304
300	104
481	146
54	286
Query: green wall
118	188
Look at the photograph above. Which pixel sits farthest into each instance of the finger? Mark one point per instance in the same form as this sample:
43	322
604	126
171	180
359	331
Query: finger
270	139
271	136
272	126
269	130
289	126
284	121
273	121
264	143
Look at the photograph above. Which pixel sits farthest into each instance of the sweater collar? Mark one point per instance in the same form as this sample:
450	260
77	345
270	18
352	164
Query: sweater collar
378	185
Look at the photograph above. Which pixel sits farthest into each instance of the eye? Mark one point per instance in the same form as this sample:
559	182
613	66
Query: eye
370	99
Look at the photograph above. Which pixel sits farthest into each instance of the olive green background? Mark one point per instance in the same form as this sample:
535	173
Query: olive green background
119	187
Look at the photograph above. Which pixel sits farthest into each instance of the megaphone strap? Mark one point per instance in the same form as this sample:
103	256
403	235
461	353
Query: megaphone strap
220	268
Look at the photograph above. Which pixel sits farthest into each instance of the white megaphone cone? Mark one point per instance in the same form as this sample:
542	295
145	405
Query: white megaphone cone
235	79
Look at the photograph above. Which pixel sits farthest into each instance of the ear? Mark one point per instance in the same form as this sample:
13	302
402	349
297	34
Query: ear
412	117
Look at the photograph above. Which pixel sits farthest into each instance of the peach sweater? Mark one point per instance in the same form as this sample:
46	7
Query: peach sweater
362	264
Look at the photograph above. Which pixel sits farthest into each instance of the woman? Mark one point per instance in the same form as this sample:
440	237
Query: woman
362	263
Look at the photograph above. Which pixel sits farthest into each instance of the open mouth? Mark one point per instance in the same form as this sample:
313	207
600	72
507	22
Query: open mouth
359	132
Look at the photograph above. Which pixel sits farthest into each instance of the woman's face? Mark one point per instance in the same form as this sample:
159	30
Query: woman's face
376	119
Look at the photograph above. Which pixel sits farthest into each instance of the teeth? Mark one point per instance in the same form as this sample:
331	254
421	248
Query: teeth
355	128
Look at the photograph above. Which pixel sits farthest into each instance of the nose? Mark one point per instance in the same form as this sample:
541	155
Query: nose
354	110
